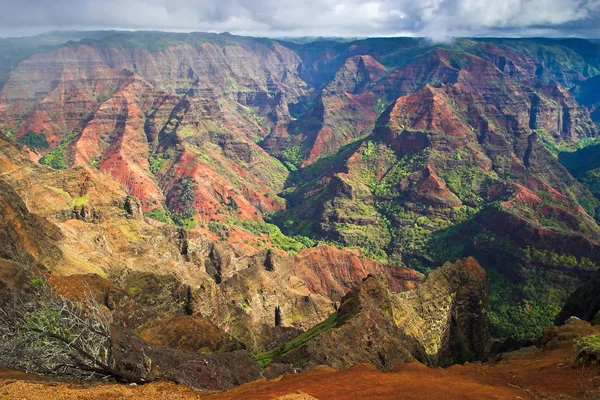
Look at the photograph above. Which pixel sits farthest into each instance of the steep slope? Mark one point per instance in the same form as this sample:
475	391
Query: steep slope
529	373
583	303
81	221
471	150
113	108
441	322
127	357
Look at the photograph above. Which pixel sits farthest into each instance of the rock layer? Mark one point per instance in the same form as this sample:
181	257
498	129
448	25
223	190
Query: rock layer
441	322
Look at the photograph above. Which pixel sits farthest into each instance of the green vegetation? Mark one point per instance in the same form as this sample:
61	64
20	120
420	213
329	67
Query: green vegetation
34	140
376	201
458	60
371	209
37	283
219	229
526	293
57	158
558	147
156	163
231	83
185	221
253	113
186	191
306	241
269	357
186	195
521	311
596	319
586	142
160	215
380	106
279	240
81	201
401	170
584	164
166	216
292	157
468	182
587	349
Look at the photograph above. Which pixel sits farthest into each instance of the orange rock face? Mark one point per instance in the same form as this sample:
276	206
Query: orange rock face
333	272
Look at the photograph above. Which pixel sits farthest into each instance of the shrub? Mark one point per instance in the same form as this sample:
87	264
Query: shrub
306	241
280	241
53	335
36	283
292	157
159	215
156	163
596	319
187	188
34	140
219	229
80	201
587	349
55	159
183	220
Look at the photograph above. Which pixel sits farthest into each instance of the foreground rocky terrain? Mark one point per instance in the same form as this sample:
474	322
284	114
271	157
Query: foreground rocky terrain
526	374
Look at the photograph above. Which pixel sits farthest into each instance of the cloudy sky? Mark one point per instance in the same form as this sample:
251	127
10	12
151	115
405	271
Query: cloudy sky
437	19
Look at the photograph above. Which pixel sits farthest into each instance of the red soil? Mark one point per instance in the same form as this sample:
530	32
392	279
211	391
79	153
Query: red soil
532	375
529	373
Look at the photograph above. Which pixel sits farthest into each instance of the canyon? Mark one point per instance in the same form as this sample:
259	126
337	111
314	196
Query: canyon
261	206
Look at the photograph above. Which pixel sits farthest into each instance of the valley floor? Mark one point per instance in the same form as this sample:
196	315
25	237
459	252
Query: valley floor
525	374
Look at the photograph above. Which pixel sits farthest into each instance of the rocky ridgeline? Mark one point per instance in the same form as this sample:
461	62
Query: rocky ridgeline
441	322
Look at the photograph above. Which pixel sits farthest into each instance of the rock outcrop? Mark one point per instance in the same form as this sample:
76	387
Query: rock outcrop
26	237
143	362
441	322
156	272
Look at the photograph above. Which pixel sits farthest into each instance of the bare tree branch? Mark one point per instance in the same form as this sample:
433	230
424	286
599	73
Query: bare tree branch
51	334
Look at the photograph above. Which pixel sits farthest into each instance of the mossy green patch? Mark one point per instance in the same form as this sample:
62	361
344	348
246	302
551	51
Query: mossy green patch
587	349
57	158
268	357
160	215
219	229
156	163
279	240
81	201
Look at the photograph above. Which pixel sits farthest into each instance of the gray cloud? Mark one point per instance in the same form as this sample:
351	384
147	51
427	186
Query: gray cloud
437	19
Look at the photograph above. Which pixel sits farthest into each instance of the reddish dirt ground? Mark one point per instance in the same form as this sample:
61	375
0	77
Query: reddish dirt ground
526	374
539	375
